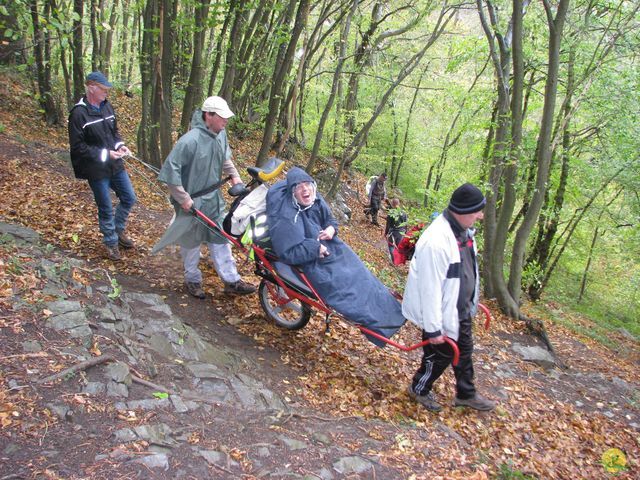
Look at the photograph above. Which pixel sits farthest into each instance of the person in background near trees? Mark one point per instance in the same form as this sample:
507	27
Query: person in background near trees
199	159
441	296
396	225
377	195
97	153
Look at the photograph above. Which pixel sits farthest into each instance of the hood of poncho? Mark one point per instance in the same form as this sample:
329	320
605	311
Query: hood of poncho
198	122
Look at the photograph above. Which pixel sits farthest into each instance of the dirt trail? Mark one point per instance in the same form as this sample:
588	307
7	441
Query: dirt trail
253	402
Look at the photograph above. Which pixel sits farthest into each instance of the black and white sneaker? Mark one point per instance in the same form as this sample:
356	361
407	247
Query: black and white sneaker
428	401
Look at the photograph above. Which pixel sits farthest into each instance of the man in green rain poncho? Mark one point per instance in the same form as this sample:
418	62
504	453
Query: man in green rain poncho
198	160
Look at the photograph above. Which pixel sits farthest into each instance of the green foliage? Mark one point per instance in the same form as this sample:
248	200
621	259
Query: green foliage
532	275
6	239
182	334
506	472
116	289
14	266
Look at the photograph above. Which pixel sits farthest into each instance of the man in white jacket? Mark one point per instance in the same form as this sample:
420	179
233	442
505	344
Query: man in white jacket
441	297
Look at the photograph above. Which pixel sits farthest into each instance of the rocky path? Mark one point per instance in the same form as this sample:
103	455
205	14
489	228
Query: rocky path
174	404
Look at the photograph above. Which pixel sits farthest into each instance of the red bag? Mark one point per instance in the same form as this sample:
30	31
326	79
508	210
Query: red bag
405	248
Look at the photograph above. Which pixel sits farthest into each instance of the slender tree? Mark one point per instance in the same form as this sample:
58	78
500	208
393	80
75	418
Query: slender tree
107	45
148	130
218	49
344	36
78	69
237	12
43	64
281	70
193	93
353	149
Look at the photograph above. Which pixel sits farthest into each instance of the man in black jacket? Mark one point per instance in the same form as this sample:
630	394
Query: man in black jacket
97	152
396	225
377	195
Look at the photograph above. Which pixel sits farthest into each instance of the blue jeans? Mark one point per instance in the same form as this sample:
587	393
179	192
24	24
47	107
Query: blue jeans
110	224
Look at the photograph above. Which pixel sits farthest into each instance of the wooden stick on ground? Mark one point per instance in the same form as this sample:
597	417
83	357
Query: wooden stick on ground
92	362
151	385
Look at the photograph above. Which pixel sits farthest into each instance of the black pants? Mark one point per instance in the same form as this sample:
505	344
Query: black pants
374	206
436	359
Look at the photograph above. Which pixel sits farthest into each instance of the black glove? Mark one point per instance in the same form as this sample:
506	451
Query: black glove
238	189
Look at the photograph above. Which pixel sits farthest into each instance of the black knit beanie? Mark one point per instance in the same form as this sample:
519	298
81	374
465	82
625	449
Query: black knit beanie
467	199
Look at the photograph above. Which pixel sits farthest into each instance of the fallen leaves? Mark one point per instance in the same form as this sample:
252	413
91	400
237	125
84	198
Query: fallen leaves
8	414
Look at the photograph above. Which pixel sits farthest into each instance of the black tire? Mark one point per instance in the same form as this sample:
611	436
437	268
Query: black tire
292	315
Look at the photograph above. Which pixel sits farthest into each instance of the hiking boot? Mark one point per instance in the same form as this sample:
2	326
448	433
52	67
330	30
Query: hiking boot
195	289
112	252
239	288
124	241
477	403
428	401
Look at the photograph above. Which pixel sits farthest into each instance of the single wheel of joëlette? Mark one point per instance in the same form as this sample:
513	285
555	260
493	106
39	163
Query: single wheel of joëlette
286	312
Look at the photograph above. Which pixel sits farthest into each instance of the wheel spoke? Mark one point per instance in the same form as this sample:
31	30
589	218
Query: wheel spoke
293	306
285	311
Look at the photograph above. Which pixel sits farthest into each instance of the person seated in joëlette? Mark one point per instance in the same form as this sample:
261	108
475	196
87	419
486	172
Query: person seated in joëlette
304	233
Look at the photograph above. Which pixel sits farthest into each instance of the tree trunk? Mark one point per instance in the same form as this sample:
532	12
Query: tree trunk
508	303
66	77
367	47
394	149
95	44
226	89
218	50
78	70
548	223
63	57
106	55
43	66
292	105
451	138
148	129
573	223
344	36
495	239
102	35
193	95
362	53
395	174
281	70
556	26
164	83
248	57
583	281
136	46
124	43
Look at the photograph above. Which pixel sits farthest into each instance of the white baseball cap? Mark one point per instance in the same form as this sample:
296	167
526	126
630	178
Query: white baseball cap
217	105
